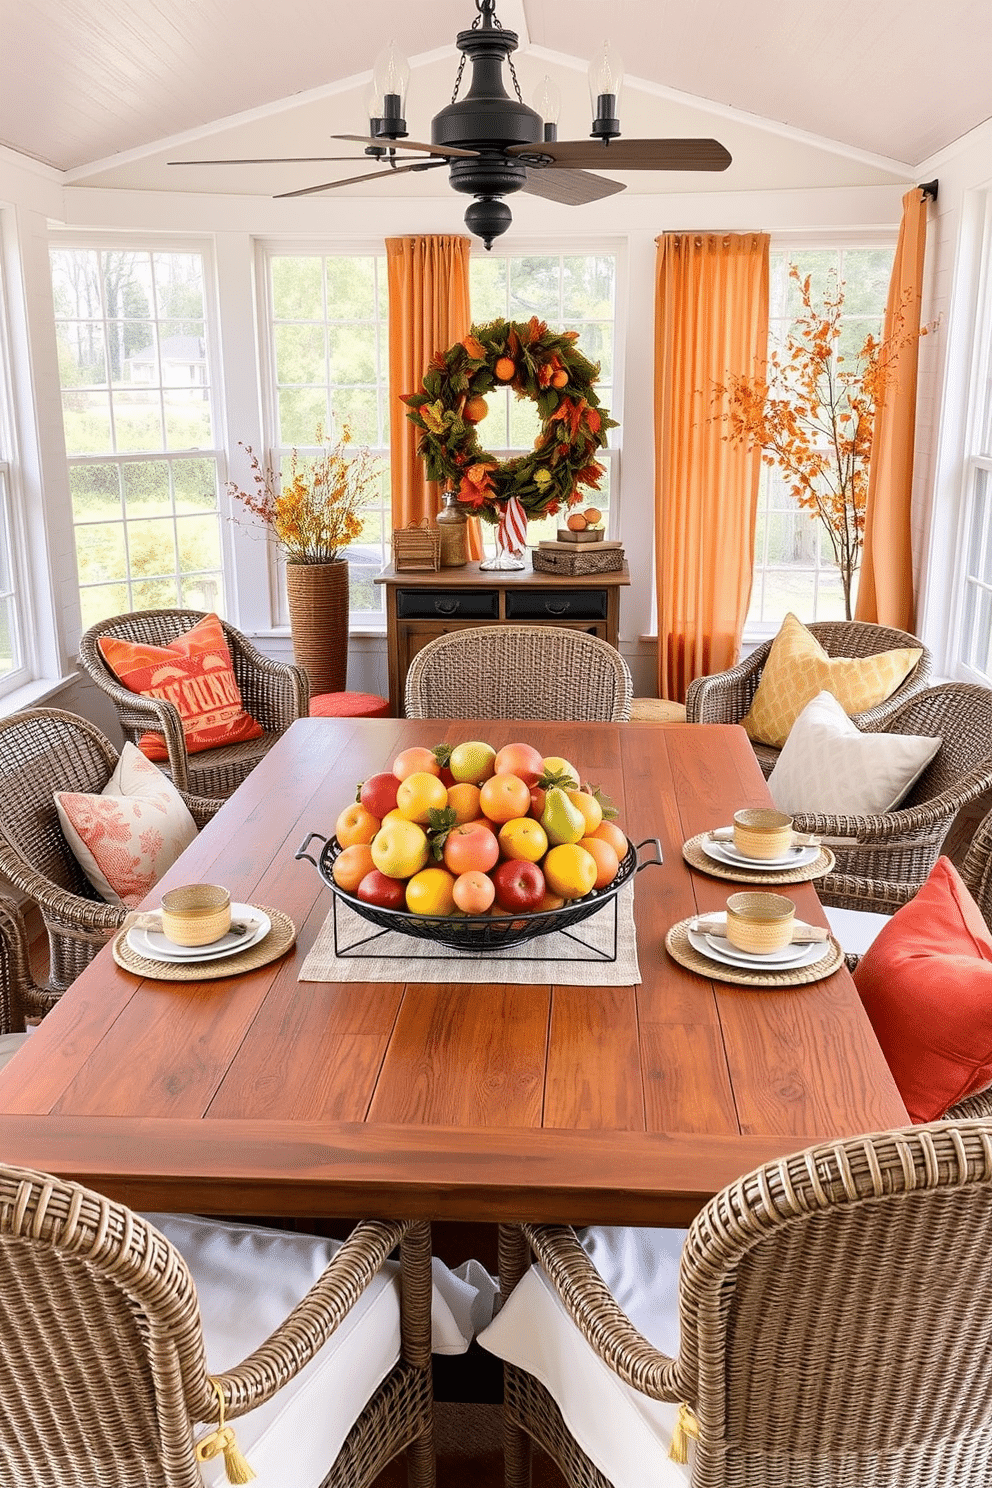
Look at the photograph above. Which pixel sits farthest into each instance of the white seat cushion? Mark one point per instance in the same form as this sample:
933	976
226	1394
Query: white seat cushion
855	928
9	1045
624	1433
248	1280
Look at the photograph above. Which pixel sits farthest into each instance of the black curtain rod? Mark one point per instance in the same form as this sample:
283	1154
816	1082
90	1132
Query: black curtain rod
929	189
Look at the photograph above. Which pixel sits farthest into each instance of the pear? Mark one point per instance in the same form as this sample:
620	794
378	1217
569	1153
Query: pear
562	821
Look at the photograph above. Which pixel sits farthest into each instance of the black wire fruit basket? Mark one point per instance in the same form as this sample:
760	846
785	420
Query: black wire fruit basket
477	932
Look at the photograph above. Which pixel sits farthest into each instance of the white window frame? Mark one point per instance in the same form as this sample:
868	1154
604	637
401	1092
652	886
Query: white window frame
267	248
979	413
142	242
788	243
23	669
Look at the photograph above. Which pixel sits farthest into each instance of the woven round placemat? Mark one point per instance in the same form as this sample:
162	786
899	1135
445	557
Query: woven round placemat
693	853
678	947
269	948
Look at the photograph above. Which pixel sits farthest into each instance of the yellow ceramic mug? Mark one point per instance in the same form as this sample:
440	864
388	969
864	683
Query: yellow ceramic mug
760	832
196	914
759	922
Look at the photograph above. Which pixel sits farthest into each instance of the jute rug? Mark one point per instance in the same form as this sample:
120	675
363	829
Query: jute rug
469	1452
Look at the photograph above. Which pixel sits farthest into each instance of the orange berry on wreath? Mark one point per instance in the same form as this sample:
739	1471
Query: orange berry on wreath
505	368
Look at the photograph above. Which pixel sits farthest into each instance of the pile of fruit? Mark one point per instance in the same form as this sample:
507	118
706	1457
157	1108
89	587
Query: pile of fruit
475	831
590	517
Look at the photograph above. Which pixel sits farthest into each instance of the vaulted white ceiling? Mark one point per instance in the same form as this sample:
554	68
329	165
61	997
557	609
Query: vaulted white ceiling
857	92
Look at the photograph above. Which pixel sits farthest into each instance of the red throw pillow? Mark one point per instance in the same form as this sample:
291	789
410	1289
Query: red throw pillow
926	983
196	673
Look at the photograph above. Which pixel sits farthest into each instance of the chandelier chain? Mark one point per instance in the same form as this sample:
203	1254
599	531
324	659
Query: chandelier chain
484	7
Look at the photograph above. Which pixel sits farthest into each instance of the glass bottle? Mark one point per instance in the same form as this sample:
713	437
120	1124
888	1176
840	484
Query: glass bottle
452	523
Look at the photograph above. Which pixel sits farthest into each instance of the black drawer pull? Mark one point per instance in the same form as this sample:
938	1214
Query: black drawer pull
446	606
557	606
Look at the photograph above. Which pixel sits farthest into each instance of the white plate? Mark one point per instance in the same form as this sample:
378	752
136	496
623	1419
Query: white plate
153	945
806	955
725	852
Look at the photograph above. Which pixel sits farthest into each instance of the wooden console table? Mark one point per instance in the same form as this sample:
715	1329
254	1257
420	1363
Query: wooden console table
422	605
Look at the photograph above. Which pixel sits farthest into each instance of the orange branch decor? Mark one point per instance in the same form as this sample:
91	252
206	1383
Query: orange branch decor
814	417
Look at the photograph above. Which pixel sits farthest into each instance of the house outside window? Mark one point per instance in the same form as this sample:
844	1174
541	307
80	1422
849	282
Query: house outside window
794	568
144	463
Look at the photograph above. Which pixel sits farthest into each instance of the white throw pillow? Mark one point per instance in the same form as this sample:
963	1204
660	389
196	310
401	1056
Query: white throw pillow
828	766
125	838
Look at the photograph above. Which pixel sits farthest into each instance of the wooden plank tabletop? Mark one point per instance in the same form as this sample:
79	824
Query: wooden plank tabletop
262	1094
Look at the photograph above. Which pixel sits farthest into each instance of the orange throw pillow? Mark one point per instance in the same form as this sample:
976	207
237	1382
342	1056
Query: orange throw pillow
926	983
196	673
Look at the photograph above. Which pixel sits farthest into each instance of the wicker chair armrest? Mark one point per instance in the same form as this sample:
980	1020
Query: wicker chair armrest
28	999
86	918
201	808
726	696
598	1316
881	896
902	822
307	1328
977	1106
139	713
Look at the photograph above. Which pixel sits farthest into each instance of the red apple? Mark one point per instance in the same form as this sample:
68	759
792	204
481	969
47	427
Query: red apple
537	799
378	794
385	892
522	760
519	885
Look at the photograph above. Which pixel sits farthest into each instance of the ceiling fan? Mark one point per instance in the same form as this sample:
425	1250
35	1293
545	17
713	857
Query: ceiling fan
494	145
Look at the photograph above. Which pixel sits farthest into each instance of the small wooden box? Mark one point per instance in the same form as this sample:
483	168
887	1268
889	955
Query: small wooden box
573	559
584	535
417	546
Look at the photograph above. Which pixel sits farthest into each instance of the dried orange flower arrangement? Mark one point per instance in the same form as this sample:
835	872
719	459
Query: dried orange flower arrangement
814	417
315	514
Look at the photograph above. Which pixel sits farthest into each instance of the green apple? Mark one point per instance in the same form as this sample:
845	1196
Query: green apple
400	848
473	762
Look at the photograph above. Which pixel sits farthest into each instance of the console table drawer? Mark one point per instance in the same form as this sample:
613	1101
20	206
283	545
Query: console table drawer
447	604
556	604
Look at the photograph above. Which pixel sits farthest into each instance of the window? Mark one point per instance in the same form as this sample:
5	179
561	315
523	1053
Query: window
13	663
139	432
975	636
572	292
330	361
794	567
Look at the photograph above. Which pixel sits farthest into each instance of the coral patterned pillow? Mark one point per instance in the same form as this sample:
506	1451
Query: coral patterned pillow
196	673
127	837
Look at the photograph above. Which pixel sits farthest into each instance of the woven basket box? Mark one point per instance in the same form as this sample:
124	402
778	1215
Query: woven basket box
574	559
416	547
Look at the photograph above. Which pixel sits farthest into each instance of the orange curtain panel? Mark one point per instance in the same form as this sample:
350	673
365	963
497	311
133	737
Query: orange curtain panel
711	321
428	311
885	590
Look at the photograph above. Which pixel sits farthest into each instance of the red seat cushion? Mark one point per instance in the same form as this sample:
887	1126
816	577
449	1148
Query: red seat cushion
926	983
348	705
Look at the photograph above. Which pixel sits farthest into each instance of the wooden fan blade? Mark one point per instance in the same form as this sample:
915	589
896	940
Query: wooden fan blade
573	188
398	170
277	160
388	144
621	154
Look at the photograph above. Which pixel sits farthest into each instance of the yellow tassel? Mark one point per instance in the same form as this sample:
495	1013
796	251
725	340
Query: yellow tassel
686	1425
222	1439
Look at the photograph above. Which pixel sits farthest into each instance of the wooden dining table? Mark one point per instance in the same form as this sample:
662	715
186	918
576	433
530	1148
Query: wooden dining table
265	1095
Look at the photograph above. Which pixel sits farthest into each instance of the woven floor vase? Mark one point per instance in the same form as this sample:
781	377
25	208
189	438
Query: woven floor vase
318	618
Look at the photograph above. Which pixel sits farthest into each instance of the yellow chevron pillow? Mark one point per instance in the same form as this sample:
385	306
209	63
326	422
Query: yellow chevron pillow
798	668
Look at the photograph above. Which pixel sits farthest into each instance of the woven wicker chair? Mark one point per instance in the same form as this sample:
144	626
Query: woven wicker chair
519	671
20	995
103	1374
829	1329
43	750
901	846
726	696
274	693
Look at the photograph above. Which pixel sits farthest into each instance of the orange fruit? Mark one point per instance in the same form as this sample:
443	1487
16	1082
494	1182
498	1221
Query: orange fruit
560	379
351	866
608	831
549	901
475	409
473	893
415	758
503	797
590	808
606	860
505	368
429	892
420	794
577	522
569	870
355	825
523	839
593	516
463	800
